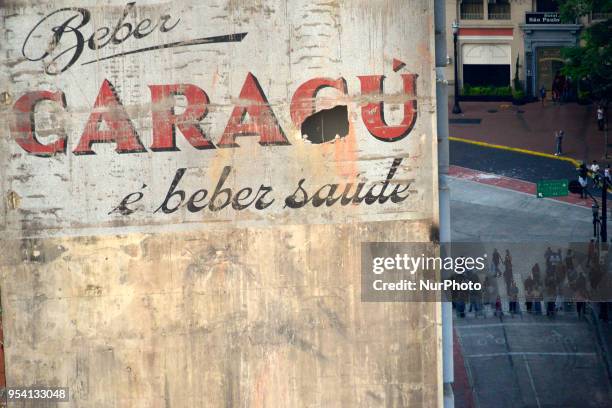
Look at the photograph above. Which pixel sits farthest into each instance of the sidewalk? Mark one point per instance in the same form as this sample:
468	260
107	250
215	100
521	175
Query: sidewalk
513	184
532	127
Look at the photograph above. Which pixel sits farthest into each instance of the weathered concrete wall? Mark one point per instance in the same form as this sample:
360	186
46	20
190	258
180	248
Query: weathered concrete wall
132	300
264	318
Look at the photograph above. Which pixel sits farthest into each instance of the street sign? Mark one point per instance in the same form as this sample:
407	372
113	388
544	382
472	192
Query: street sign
552	188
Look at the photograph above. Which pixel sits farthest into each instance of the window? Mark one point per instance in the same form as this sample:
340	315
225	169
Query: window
486	75
499	9
547	6
472	9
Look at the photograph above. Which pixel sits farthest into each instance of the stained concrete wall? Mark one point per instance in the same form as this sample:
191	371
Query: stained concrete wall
132	307
263	318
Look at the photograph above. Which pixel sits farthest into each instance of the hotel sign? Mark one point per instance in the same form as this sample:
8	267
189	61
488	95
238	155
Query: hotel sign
542	18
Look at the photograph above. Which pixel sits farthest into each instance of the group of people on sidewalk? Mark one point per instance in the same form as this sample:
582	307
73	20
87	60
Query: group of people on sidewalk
595	176
562	89
564	284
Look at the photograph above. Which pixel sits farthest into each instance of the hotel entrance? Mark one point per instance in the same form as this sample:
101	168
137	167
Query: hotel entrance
544	41
549	63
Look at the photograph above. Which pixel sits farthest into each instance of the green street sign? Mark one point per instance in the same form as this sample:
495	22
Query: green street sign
552	188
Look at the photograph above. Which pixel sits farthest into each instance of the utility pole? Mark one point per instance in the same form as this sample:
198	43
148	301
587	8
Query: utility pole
444	190
604	210
456	107
606	136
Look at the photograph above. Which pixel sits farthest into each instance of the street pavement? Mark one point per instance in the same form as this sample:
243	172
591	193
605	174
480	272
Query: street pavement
533	363
525	361
515	165
483	213
532	127
509	163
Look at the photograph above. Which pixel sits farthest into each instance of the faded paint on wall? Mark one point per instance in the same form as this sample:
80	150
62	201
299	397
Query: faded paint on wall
112	288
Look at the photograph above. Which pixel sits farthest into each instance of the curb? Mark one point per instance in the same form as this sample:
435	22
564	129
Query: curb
511	184
575	162
462	387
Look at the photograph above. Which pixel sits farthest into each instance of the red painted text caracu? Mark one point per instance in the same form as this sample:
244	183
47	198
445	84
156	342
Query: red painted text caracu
260	122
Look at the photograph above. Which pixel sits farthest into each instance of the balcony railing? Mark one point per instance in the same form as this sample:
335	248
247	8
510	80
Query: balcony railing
499	11
601	16
472	11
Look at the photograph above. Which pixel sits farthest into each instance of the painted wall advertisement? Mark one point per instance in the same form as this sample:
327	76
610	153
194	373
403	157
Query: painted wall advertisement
212	167
146	115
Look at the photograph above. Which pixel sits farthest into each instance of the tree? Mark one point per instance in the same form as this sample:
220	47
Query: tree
590	63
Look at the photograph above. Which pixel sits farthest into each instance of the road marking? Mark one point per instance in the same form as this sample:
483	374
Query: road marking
516	149
531	380
489	325
532	353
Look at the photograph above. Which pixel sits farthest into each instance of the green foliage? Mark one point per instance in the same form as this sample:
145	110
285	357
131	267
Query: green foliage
518	94
517	83
590	64
584	95
570	10
486	90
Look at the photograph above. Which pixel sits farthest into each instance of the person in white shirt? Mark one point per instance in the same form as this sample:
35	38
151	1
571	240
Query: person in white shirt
594	167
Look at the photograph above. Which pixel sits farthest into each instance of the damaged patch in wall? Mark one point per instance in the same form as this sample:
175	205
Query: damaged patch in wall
326	125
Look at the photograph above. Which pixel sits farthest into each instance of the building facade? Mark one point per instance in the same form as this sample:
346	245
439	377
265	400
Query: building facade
497	37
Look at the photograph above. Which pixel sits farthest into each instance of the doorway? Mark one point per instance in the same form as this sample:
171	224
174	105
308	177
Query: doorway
549	65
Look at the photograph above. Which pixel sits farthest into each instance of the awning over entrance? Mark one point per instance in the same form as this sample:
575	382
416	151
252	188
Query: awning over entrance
486	54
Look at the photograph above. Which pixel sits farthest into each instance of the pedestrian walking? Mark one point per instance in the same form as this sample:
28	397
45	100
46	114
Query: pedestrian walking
498	307
559	142
569	259
508	278
548	255
580	307
535	272
557	87
528	285
583	180
550	308
460	307
566	89
543	94
475	296
513	294
496	261
600	118
591	252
